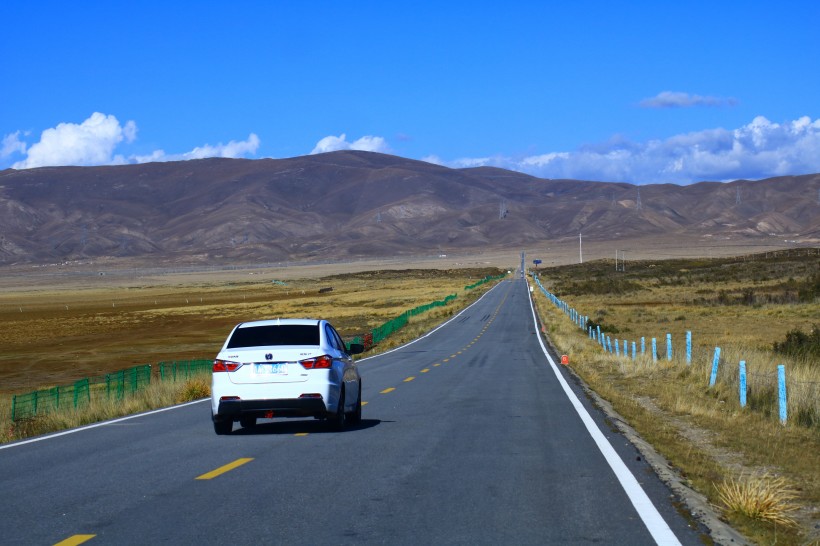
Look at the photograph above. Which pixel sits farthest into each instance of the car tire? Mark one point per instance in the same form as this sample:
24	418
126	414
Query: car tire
223	426
355	417
247	422
337	420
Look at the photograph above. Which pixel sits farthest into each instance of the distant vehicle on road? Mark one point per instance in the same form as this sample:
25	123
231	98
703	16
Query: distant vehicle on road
285	368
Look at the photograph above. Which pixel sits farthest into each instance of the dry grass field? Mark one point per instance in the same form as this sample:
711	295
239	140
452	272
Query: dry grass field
60	333
744	306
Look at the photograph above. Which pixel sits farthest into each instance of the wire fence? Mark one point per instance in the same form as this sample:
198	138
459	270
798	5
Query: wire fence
771	393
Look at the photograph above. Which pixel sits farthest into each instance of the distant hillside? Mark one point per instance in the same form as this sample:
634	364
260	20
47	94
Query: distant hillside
361	204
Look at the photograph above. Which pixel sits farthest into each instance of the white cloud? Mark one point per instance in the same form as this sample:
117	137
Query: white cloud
232	149
90	143
757	150
365	144
94	141
678	99
11	145
434	159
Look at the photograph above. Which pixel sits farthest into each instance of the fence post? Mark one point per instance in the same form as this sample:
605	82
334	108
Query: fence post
643	346
654	350
599	331
715	362
688	348
781	389
668	346
617	347
633	350
742	383
626	348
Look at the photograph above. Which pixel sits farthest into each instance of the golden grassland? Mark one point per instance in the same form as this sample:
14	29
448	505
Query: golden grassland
762	474
55	336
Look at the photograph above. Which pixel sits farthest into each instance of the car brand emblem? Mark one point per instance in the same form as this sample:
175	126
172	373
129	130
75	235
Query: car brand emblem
268	356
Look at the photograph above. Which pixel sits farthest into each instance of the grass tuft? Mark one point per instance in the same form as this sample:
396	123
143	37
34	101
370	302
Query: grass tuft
194	389
759	497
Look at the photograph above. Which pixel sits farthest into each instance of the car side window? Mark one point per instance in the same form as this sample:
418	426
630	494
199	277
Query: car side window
339	340
333	338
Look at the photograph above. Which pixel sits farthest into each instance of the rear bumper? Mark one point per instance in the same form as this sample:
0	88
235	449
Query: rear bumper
280	407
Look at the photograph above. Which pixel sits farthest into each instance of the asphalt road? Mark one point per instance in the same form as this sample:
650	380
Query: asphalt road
468	437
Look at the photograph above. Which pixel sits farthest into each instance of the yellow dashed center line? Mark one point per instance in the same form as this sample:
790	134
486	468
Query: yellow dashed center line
222	469
364	403
437	364
301	434
76	539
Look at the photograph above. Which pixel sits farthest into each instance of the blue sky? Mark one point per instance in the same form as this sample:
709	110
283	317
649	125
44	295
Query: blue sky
641	92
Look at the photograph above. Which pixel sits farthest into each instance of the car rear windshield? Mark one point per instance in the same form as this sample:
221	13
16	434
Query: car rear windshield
285	334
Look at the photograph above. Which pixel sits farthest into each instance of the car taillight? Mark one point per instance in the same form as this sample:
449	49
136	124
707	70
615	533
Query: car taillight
316	363
226	366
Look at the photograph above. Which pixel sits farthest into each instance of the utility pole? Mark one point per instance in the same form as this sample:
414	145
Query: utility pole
620	254
580	250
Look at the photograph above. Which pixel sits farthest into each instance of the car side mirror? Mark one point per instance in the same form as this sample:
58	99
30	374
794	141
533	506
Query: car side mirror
356	348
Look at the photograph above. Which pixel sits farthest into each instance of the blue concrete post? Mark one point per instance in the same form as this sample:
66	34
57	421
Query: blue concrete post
742	382
643	346
617	347
688	348
715	362
654	350
668	346
633	351
781	392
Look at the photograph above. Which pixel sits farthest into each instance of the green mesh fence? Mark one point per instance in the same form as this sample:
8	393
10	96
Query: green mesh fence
483	281
182	370
380	333
68	397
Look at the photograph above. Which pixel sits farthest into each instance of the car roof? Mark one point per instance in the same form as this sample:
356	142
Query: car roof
280	322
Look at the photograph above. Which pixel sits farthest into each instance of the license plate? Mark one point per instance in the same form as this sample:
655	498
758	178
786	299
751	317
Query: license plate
280	368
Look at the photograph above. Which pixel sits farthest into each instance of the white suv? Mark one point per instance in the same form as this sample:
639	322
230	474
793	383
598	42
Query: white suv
285	368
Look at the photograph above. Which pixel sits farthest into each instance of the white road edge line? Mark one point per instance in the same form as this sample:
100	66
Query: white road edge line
114	421
650	516
95	425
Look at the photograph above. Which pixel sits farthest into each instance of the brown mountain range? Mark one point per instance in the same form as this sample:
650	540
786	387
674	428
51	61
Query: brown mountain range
359	204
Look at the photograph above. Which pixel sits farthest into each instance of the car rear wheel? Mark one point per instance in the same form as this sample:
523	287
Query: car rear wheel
223	426
355	416
337	421
247	422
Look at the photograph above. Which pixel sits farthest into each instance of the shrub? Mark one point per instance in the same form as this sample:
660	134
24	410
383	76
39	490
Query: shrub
799	344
